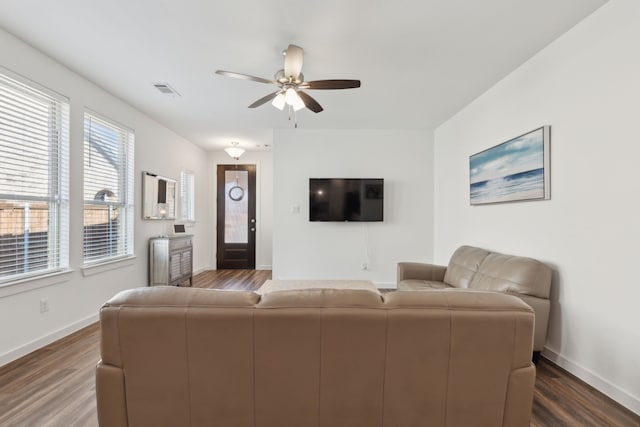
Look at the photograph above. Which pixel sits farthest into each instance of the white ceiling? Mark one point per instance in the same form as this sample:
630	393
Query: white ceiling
420	61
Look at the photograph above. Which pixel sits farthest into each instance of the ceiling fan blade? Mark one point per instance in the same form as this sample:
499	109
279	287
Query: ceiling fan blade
331	84
293	61
309	102
264	99
245	77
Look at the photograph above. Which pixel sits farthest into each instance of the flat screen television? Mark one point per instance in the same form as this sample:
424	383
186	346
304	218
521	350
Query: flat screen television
346	199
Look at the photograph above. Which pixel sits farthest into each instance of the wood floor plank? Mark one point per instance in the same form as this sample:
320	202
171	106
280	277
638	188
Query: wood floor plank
55	385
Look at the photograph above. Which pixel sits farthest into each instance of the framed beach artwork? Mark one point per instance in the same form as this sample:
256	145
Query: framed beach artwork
512	171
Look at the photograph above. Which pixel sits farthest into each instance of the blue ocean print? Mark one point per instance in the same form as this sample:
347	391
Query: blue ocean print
522	185
510	171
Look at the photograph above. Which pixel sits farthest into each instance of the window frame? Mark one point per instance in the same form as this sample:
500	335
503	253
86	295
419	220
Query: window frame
27	95
187	197
124	204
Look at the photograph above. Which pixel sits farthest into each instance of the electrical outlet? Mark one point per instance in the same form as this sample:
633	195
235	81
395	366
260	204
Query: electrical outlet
44	305
365	266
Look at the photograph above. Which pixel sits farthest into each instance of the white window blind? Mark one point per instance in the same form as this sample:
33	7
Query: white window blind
187	197
108	190
34	180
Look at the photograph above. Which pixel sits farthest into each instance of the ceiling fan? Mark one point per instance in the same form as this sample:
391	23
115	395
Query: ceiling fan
290	82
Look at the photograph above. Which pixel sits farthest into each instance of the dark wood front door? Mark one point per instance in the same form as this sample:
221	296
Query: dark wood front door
236	245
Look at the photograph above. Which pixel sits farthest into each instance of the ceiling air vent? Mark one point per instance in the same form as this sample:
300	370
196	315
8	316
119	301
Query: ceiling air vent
166	90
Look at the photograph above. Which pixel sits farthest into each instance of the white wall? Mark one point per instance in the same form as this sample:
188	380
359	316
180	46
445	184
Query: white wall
263	160
586	85
161	151
311	250
75	297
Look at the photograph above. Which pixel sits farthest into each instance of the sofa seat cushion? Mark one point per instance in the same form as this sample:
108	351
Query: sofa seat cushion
513	274
463	265
417	284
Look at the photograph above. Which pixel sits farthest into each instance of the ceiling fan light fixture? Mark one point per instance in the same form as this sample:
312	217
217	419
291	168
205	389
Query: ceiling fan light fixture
234	151
279	101
291	96
298	103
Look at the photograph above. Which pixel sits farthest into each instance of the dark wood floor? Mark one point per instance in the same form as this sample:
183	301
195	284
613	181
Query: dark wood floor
54	386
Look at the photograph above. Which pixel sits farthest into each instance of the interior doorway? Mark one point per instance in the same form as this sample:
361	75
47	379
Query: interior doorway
236	225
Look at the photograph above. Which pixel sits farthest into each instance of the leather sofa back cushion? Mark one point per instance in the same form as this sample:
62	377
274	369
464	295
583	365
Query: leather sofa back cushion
507	273
176	296
455	300
463	265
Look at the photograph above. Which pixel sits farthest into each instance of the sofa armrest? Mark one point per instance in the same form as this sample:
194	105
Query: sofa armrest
420	271
519	400
541	308
110	396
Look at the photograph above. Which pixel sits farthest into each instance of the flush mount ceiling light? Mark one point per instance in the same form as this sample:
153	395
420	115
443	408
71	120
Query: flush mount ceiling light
234	151
291	82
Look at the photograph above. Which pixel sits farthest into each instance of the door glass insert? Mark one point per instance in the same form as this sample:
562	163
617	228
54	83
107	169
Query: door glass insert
236	206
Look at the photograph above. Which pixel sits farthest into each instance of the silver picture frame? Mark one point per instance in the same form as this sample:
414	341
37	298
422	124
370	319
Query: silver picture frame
515	170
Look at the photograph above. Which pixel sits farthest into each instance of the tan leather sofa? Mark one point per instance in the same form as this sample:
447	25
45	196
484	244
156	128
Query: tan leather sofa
475	268
327	358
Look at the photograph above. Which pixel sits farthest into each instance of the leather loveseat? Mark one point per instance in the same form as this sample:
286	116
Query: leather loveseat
475	268
326	358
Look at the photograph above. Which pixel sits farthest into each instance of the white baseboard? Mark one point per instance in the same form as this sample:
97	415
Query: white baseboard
211	267
602	385
201	269
32	346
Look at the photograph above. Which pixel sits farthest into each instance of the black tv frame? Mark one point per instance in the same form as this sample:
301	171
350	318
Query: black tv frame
346	199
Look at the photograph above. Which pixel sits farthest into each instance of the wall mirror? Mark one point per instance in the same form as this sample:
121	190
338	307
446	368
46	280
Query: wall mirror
158	197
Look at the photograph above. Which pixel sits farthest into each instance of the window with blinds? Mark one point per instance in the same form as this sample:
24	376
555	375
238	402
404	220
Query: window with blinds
34	180
108	190
187	197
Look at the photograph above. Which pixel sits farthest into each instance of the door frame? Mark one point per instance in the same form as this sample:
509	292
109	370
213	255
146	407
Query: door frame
221	168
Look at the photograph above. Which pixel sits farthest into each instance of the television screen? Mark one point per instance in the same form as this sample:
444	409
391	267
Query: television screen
346	199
